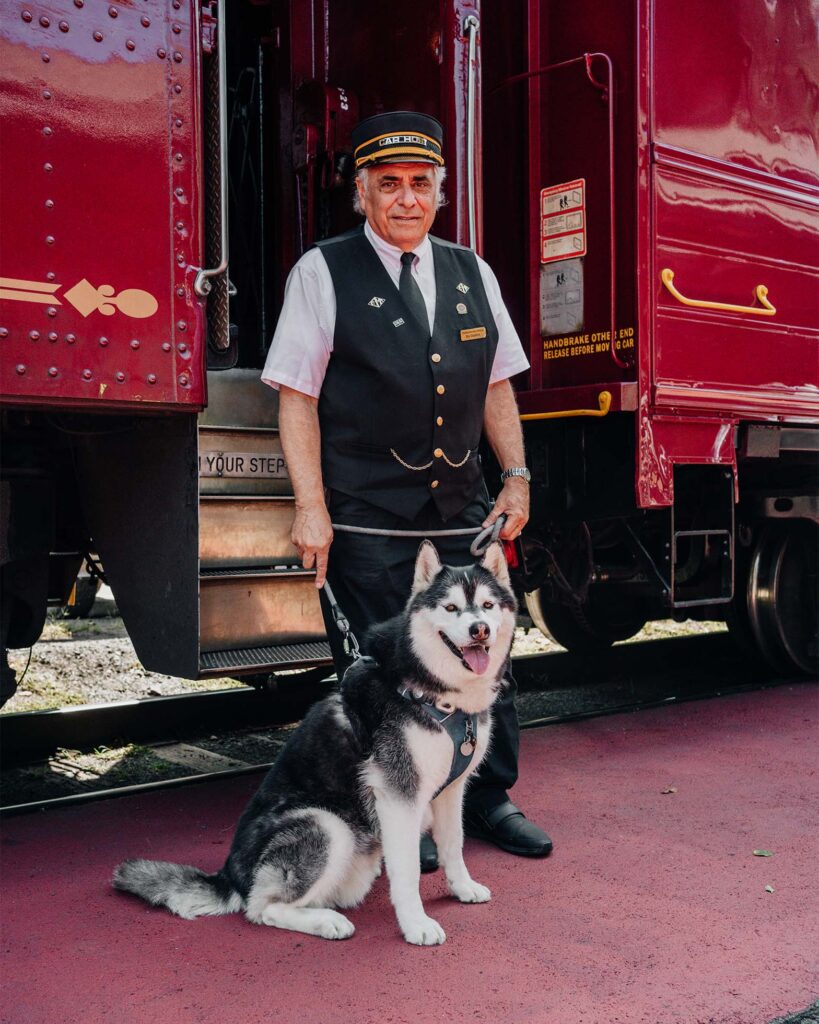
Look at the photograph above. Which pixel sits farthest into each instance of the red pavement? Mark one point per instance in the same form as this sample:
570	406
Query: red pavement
652	909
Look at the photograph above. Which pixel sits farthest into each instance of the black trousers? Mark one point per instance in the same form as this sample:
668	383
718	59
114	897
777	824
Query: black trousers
371	578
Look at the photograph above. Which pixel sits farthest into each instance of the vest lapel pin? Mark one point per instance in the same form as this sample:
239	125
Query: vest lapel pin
463	288
376	302
399	322
461	307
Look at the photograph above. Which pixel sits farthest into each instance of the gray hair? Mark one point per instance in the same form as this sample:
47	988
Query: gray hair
363	173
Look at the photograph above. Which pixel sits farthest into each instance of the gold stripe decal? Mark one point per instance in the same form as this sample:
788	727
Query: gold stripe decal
13	296
17	290
473	334
32	286
83	296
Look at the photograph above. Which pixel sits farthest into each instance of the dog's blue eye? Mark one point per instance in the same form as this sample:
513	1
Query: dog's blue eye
451	608
489	604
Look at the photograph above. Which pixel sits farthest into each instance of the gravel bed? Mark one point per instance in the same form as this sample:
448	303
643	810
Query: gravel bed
92	661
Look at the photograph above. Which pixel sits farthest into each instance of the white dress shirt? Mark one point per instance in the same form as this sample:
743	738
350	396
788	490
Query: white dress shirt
303	340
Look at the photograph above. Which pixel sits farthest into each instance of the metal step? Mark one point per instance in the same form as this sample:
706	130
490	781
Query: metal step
258	609
259	659
242	461
245	531
237	398
255	606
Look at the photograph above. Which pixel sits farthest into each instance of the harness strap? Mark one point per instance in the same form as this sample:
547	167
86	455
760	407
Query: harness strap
462	729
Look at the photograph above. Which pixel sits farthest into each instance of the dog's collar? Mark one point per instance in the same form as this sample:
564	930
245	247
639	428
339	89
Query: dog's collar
461	727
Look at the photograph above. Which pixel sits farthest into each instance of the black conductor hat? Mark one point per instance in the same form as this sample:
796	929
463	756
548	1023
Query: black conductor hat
398	137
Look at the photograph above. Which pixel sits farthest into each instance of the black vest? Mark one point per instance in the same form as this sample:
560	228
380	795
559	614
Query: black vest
401	412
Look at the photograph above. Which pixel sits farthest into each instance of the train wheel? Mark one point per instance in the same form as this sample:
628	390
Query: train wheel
736	613
590	627
781	596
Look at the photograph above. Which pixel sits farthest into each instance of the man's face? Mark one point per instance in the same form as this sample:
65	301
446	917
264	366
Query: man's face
399	202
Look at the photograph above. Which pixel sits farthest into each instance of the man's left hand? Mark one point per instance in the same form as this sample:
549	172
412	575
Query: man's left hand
513	502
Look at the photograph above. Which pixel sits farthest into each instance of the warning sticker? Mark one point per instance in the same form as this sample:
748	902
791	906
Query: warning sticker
563	221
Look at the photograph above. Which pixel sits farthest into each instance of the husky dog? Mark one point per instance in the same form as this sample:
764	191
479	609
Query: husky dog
367	770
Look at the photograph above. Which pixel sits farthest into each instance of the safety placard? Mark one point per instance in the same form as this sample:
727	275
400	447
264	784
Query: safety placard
563	221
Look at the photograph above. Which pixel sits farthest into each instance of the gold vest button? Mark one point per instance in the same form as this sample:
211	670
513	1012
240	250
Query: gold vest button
434	483
440	421
440	389
436	358
438	453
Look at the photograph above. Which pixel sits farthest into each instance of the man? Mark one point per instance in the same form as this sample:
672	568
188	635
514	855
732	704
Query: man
393	352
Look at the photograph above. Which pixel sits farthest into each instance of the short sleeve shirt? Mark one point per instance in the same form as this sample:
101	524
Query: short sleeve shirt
303	341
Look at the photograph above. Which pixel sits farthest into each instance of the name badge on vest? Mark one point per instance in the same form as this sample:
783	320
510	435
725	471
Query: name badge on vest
473	334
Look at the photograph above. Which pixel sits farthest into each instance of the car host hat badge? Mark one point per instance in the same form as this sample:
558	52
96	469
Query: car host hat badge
398	136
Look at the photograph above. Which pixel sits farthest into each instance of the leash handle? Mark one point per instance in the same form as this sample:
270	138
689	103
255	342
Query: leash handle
487	536
348	638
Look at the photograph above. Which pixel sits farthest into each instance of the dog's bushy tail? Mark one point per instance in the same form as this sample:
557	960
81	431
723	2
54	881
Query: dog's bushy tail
184	890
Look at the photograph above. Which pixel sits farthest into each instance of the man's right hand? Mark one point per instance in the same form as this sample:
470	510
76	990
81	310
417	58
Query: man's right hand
312	535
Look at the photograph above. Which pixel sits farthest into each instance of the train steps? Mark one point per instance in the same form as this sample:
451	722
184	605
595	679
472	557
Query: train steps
258	608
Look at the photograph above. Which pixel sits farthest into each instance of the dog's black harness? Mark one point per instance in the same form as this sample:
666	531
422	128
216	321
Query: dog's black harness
462	729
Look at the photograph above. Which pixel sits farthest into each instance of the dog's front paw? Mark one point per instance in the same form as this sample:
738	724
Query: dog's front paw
424	932
336	927
470	892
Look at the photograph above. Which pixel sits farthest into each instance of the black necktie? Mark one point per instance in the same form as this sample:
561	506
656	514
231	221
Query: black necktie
411	293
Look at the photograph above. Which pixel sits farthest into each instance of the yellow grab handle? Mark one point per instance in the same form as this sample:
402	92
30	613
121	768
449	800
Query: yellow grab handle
603	400
761	293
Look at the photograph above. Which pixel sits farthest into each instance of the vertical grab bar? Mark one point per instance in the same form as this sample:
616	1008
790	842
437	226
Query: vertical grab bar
202	283
471	28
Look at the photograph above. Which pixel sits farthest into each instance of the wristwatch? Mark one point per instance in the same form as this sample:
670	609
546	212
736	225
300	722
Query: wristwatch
516	471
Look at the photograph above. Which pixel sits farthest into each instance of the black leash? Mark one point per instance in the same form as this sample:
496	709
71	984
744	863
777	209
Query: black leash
348	638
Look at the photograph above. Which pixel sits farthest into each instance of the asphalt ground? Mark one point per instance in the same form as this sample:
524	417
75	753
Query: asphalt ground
680	891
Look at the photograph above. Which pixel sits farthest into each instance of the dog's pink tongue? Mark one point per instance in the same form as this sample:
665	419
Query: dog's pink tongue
477	658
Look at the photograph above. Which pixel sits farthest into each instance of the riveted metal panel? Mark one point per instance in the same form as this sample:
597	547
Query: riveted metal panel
100	204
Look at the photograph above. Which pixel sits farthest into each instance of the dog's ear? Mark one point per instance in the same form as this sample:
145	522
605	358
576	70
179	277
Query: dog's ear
427	566
494	560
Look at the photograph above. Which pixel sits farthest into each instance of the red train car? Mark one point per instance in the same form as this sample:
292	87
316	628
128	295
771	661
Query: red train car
643	177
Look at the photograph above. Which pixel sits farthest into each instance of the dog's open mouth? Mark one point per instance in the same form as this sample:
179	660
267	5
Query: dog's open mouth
475	657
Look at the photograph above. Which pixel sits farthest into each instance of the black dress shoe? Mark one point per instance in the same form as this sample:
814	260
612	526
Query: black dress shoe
507	827
429	853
